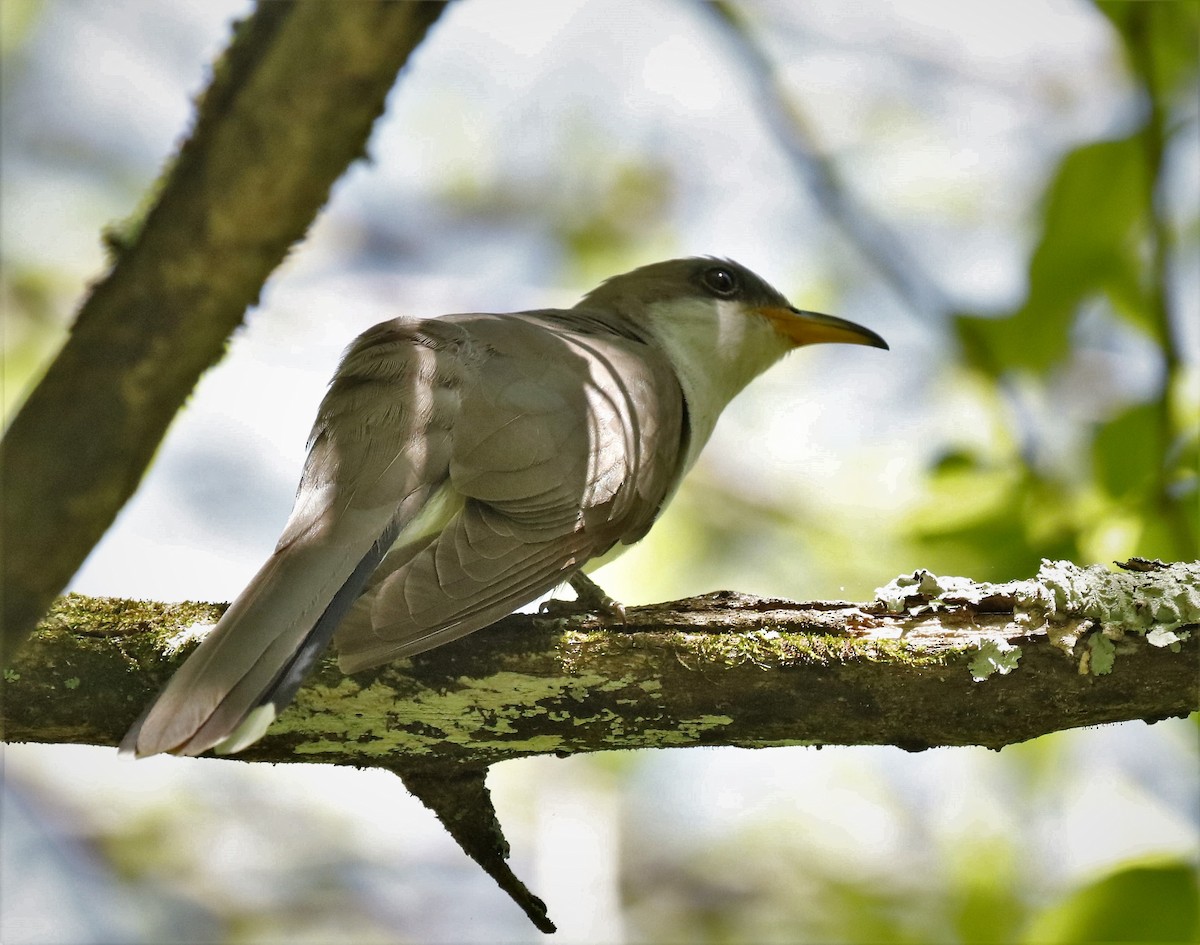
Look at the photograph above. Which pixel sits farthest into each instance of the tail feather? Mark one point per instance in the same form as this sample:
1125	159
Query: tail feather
259	651
232	726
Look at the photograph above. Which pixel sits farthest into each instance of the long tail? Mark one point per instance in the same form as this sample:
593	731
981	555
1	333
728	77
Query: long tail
249	667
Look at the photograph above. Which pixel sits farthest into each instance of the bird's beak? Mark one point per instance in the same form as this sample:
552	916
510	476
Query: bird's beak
810	328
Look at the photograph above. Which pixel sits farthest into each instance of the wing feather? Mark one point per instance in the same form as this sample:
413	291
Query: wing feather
568	442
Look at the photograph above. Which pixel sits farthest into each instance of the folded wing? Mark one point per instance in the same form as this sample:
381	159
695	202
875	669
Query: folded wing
568	443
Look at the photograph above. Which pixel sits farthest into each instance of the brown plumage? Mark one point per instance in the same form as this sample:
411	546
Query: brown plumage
463	466
564	440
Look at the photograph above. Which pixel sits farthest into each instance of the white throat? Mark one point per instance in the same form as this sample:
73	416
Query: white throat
716	348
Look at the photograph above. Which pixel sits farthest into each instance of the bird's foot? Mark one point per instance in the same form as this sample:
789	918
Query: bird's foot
589	596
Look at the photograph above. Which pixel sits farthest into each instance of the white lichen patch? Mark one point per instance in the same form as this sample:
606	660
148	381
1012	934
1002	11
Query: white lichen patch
994	656
1064	634
926	586
1144	601
1066	601
194	632
1160	636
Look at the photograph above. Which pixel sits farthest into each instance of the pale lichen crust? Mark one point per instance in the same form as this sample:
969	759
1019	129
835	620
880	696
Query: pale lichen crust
994	656
1067	601
478	712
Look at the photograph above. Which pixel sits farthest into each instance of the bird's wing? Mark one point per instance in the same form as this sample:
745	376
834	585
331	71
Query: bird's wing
568	442
380	448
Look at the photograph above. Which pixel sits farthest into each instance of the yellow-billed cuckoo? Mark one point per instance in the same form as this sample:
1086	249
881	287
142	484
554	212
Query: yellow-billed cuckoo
462	466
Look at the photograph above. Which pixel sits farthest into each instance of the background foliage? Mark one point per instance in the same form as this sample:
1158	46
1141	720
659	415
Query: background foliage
1009	194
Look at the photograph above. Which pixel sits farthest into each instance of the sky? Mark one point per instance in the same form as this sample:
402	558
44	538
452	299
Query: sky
508	137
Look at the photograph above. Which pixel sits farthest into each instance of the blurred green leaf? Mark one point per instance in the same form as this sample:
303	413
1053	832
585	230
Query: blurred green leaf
1094	211
1183	452
1127	450
17	19
984	900
1183	460
635	199
995	521
953	461
1160	539
1144	903
1168	32
1128	458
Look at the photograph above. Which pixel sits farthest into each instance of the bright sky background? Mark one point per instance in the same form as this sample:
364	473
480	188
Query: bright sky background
941	114
540	111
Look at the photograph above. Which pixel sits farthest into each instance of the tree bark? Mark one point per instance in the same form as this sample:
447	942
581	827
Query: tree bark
931	663
290	106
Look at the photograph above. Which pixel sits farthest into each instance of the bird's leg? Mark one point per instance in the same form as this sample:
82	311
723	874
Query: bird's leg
591	596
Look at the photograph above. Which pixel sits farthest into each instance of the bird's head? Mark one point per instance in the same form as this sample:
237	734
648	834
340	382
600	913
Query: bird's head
718	324
702	293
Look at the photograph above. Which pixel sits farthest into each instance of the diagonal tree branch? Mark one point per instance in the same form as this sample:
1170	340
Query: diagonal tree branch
458	795
879	244
290	106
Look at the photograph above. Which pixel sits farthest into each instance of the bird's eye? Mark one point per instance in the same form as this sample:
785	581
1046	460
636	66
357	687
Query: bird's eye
720	281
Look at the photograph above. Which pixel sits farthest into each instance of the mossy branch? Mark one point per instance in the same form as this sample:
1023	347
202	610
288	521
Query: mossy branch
932	661
723	669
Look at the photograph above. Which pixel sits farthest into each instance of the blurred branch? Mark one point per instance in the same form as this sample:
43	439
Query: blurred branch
1177	511
879	245
290	106
722	669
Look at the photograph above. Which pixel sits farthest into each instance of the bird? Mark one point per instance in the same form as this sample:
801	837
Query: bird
462	466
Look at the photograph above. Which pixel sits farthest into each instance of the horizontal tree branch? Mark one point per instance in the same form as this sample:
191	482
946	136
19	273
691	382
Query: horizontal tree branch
931	661
722	669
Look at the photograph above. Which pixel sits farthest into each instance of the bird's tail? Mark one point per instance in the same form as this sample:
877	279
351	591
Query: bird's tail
249	667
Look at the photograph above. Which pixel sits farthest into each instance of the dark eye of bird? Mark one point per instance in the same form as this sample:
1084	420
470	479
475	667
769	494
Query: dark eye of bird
721	282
